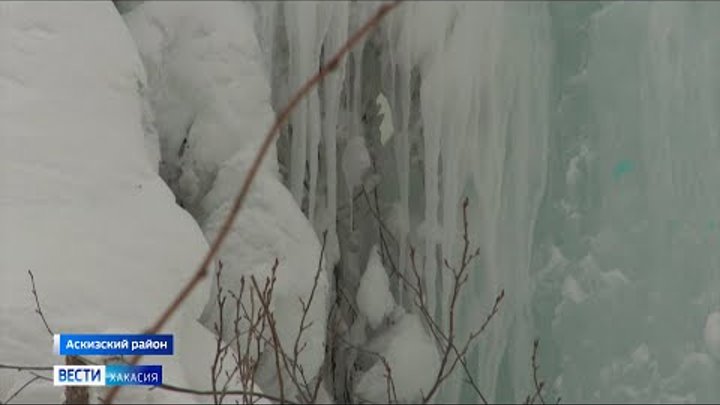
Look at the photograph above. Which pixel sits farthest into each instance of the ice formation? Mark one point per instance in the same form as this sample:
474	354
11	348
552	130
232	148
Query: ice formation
355	163
495	100
636	102
467	121
374	299
712	334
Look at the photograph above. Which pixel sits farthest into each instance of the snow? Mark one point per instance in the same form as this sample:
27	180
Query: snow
373	296
386	127
413	359
711	334
82	205
278	230
206	85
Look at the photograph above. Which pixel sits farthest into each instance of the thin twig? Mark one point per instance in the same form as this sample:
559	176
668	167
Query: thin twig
174	388
218	327
538	384
281	119
390	382
391	392
38	308
305	310
265	301
460	277
19	390
41	377
25	368
376	214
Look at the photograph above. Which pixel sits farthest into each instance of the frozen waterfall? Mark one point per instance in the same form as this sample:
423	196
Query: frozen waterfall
636	225
585	135
468	85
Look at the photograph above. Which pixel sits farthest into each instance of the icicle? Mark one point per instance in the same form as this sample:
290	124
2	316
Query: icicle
314	117
432	119
300	20
356	125
403	156
355	163
267	12
336	36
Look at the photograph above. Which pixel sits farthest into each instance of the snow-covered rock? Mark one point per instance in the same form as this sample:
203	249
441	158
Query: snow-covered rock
413	359
212	102
271	226
81	205
374	299
206	85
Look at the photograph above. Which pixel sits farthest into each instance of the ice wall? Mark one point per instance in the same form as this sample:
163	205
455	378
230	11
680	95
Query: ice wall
485	128
608	111
629	229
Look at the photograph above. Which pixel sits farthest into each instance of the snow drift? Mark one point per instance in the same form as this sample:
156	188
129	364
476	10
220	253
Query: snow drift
82	205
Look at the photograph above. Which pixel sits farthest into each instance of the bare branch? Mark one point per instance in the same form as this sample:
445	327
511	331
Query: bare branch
19	390
174	388
390	382
376	213
25	368
38	309
391	392
306	307
539	385
264	297
447	341
218	327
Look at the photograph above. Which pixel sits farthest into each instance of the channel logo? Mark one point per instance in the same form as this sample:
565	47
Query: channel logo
110	375
79	375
